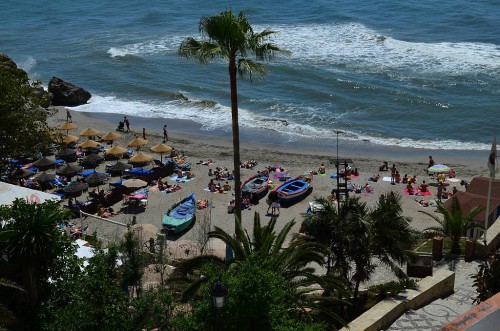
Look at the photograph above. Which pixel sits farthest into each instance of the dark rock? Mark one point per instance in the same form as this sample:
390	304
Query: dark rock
67	94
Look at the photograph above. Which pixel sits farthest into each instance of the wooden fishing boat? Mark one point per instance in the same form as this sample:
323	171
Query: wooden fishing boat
181	215
294	189
257	184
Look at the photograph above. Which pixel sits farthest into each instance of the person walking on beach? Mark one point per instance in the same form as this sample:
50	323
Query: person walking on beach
68	116
431	163
165	133
144	133
393	174
440	191
127	123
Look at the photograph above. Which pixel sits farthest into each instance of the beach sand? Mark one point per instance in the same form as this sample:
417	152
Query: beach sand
297	161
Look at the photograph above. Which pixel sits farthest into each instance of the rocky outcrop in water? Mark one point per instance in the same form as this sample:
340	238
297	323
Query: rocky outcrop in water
67	94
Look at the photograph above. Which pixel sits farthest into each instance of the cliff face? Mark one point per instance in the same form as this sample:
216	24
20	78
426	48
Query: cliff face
6	64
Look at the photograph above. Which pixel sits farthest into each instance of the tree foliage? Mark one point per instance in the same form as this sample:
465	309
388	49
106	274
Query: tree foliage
487	279
357	235
23	129
32	242
268	250
257	299
89	299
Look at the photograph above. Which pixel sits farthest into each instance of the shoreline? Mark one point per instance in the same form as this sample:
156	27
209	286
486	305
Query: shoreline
273	141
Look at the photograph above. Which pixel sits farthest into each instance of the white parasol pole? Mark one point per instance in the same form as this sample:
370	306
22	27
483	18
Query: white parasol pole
492	167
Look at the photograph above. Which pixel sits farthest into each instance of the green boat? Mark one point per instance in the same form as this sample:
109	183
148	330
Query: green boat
181	215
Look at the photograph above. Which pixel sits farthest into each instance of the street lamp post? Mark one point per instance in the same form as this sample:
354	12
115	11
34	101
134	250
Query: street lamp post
218	292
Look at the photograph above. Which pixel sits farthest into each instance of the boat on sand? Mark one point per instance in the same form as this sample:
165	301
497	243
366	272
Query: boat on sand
181	215
257	184
294	189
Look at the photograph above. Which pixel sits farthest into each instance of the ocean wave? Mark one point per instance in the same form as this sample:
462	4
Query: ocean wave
354	44
27	63
213	116
149	47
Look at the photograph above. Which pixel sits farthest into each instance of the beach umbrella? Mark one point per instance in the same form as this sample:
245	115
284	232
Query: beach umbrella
44	177
44	162
75	188
96	178
111	136
19	173
92	158
137	142
66	152
69	170
89	144
89	133
140	158
67	126
68	139
116	151
439	168
161	148
134	183
119	166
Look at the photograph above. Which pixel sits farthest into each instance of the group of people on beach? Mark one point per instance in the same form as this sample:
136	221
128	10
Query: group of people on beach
126	124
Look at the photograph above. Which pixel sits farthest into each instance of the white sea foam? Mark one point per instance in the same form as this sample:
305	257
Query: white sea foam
357	45
149	47
218	118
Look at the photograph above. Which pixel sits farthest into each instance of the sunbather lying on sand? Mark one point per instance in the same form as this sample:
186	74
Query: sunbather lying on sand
422	202
207	162
173	188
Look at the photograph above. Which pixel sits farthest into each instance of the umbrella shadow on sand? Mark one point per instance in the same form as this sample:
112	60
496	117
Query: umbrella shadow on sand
132	210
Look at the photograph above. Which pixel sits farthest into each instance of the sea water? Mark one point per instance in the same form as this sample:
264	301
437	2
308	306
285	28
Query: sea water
414	74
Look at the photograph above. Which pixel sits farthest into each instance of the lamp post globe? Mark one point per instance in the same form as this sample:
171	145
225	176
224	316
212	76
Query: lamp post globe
218	292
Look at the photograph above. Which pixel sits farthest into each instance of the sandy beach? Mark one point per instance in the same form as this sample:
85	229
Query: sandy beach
198	147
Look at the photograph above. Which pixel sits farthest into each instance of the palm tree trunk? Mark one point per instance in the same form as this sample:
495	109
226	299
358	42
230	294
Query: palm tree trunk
236	135
356	293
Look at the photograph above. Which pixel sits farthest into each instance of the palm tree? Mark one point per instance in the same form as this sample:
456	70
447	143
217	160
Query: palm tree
231	38
32	239
455	223
391	236
292	261
357	234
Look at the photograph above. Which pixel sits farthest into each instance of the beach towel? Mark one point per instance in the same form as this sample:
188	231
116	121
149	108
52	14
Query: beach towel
178	179
454	180
386	179
279	175
334	175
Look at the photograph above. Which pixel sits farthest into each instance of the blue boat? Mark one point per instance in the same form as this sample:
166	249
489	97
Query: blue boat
181	215
294	189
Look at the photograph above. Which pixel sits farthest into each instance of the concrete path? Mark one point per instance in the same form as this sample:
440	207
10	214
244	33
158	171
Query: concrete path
442	311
